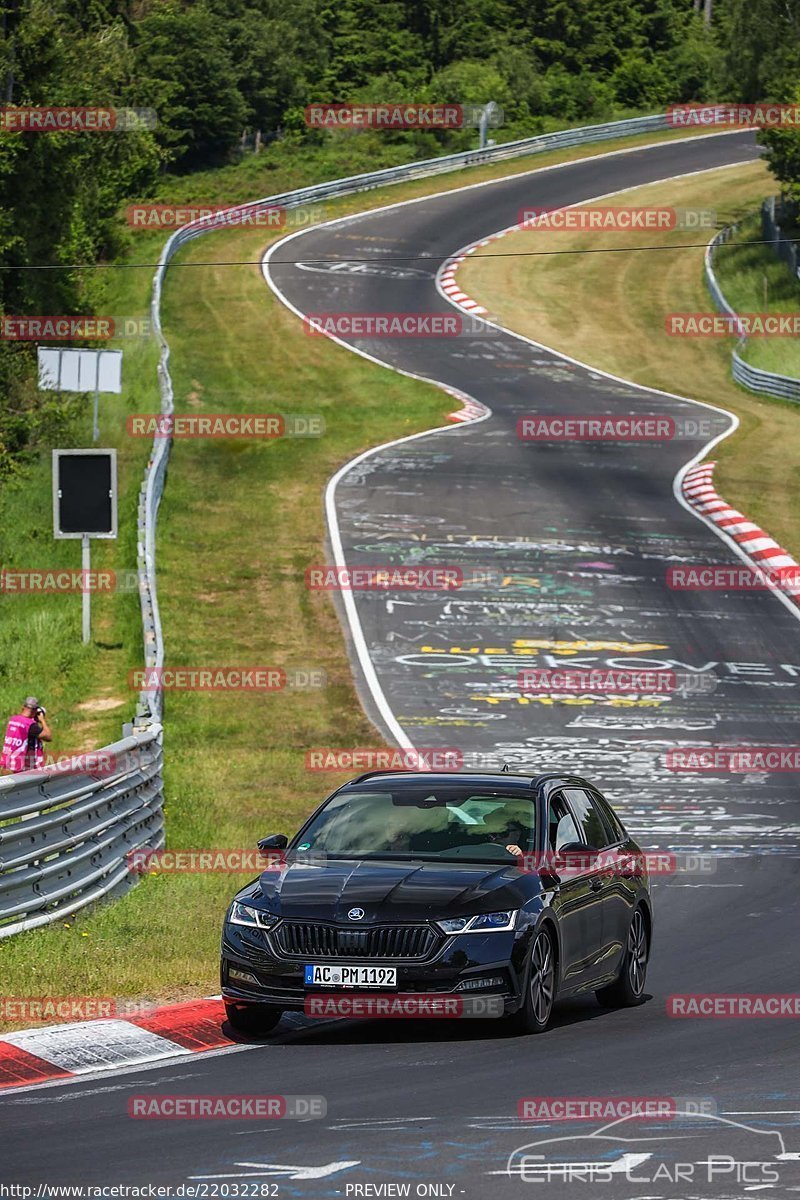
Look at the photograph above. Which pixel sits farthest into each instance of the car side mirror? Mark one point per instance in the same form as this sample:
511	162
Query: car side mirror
275	841
574	857
570	849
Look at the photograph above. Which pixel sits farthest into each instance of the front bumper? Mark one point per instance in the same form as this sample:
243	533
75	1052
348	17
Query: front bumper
280	982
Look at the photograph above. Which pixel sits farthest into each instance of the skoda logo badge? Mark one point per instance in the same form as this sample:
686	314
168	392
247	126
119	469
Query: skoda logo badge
356	914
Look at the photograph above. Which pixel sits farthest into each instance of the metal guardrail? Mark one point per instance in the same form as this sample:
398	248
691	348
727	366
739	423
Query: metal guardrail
65	836
755	379
64	839
783	247
151	705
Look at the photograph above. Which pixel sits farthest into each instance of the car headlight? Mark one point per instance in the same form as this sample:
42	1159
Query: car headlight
495	922
243	914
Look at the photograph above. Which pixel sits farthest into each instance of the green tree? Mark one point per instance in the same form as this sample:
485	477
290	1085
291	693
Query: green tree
186	73
760	49
783	158
59	192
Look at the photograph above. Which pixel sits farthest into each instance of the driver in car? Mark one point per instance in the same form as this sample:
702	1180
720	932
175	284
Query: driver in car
511	837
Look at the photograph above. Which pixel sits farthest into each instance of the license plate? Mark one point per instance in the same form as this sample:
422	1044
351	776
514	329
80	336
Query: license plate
325	975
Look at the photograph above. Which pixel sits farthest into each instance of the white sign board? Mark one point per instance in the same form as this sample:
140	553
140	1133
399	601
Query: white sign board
80	370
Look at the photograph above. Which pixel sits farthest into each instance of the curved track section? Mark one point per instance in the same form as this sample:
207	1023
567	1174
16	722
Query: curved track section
567	546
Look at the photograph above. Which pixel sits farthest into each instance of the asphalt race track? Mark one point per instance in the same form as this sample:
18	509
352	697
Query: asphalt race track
565	549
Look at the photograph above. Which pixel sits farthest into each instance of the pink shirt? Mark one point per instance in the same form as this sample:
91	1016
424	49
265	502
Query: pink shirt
15	756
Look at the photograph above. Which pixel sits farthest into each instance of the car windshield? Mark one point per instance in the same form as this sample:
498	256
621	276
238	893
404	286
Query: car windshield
449	822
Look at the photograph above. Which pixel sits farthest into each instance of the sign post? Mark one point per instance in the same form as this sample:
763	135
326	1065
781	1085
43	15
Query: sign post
86	566
81	371
85	507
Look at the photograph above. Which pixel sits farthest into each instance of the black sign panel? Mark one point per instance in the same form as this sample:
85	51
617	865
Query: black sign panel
84	493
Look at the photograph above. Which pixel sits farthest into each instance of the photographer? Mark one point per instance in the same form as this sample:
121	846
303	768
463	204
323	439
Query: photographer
25	732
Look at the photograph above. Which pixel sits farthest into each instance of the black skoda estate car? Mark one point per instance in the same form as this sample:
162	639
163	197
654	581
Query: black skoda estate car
522	888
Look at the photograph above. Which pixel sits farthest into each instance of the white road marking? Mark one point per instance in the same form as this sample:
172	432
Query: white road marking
368	1122
292	1172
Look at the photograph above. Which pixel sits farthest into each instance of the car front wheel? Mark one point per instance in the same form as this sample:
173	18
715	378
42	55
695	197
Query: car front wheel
628	989
252	1018
537	1009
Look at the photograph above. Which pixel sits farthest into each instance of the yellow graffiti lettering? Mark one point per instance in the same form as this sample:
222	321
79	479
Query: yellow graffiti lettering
559	647
559	698
524	647
521	581
451	650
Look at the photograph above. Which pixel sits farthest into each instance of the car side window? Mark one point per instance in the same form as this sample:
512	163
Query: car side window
617	829
588	817
561	827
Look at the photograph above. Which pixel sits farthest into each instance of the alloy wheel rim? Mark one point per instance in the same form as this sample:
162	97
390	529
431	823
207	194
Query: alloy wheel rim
542	978
637	954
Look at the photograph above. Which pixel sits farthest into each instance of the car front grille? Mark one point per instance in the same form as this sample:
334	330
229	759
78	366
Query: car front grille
299	938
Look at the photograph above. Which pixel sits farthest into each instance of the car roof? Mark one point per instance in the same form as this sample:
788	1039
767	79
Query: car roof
508	780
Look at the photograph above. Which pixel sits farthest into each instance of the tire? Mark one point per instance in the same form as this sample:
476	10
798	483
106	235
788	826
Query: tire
540	989
252	1018
628	990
